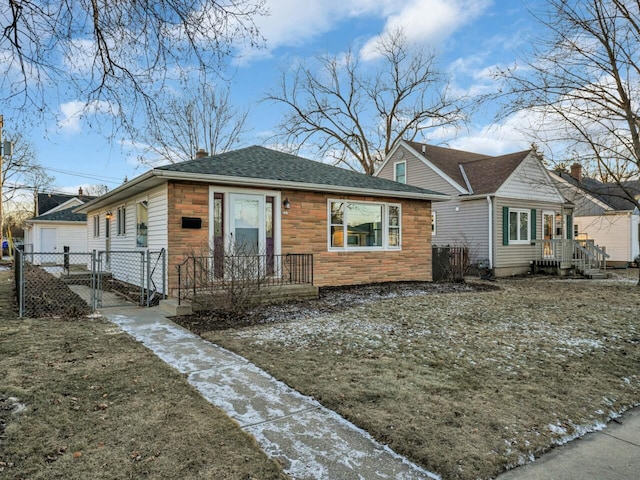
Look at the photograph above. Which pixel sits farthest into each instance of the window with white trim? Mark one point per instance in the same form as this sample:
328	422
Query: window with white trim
400	172
96	226
142	215
121	220
355	225
519	230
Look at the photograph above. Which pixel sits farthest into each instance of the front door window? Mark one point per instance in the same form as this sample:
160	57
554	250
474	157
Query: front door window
548	229
248	227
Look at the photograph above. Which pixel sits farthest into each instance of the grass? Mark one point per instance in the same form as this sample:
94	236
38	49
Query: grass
79	399
466	384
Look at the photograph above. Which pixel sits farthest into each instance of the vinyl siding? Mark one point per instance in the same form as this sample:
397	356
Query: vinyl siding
126	266
515	259
468	226
584	206
614	232
157	232
418	173
530	181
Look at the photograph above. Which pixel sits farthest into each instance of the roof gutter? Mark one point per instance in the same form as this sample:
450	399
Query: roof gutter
102	200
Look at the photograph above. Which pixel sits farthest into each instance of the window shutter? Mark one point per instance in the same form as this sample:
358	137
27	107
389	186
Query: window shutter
534	224
505	225
569	227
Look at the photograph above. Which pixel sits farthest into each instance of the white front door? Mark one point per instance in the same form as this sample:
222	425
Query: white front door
49	240
247	224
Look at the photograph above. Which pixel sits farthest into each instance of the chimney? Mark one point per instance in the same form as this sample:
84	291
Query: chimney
576	171
79	190
201	153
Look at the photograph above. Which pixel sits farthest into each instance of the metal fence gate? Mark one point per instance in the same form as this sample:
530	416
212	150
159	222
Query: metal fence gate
73	283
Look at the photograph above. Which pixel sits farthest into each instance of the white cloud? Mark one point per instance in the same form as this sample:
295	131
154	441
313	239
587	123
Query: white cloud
75	111
498	139
290	23
428	21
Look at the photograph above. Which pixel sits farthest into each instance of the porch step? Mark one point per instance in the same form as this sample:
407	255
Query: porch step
594	274
171	308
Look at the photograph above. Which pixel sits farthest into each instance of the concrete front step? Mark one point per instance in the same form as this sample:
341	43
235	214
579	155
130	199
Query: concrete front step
272	294
171	308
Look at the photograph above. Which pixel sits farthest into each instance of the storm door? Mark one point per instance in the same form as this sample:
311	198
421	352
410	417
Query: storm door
548	230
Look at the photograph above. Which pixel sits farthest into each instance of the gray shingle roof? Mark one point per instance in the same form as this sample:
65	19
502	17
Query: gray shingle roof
609	193
67	215
485	173
261	163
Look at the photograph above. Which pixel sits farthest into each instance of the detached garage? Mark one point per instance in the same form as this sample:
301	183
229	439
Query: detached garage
51	232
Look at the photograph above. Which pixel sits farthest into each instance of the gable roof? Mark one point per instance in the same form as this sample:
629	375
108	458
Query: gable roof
49	201
258	166
611	194
484	173
262	163
66	215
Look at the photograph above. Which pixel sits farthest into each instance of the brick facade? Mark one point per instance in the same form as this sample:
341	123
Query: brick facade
304	230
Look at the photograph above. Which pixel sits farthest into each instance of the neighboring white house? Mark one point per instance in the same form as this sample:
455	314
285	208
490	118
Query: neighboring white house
57	228
602	213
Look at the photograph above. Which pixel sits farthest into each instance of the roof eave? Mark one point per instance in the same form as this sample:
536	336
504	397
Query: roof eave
317	187
158	176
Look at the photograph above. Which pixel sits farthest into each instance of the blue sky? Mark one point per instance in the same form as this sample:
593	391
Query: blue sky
471	36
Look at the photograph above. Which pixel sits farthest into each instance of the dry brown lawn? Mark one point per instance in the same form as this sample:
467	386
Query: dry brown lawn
466	384
81	400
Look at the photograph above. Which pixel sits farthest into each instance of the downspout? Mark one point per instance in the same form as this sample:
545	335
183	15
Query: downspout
490	217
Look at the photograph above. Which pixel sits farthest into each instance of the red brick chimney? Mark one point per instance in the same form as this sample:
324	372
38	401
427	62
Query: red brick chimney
201	153
79	190
576	171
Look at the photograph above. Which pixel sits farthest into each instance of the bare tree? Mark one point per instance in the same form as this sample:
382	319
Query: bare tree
581	84
355	116
202	118
22	177
96	190
114	56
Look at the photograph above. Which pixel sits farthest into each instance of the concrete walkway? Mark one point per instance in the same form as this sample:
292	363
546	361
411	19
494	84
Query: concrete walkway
610	454
310	441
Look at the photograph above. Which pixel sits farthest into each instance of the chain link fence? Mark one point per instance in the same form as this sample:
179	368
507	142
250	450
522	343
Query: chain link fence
73	284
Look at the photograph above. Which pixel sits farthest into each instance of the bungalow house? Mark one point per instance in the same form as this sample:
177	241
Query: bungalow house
603	213
505	209
359	229
57	225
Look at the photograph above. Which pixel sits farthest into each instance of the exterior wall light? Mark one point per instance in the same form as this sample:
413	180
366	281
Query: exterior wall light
286	204
109	215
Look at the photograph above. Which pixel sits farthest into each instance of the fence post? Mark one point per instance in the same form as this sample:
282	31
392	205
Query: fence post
65	261
148	277
141	301
163	253
21	285
94	283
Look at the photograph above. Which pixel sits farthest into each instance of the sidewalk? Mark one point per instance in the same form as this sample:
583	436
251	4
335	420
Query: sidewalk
310	441
610	454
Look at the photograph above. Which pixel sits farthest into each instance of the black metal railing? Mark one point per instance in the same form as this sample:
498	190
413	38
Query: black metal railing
205	274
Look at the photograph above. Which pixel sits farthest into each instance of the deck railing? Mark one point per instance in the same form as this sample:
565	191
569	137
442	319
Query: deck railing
579	254
208	274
